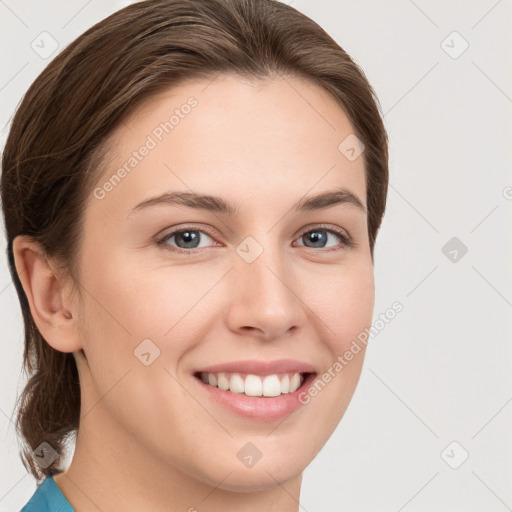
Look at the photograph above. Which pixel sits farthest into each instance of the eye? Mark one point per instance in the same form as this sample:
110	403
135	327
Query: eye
319	237
187	239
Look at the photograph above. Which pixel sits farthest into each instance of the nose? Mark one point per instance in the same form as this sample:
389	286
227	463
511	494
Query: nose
265	296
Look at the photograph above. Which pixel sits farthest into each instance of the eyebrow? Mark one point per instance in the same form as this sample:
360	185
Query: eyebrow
219	205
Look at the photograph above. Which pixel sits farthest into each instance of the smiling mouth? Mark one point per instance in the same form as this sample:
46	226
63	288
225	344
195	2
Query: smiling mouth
253	385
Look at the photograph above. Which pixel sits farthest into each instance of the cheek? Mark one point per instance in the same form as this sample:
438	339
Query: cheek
343	304
346	311
123	309
127	303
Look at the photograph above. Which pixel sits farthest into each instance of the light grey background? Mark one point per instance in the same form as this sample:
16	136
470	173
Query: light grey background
440	372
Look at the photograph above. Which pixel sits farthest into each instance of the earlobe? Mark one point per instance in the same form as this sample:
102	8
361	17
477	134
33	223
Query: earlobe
45	294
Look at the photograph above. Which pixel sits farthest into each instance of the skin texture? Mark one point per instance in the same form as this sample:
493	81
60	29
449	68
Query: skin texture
149	439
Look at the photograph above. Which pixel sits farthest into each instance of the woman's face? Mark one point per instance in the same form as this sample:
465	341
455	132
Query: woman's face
269	290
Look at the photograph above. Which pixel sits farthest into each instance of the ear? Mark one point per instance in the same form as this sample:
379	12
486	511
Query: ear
52	312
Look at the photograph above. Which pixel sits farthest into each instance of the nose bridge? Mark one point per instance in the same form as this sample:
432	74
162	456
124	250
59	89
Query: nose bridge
266	294
264	264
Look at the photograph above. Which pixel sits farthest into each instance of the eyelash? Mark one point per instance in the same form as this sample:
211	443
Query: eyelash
346	240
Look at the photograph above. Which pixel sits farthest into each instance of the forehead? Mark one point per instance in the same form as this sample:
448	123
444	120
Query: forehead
230	136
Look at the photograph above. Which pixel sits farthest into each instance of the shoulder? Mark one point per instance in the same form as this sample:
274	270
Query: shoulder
47	498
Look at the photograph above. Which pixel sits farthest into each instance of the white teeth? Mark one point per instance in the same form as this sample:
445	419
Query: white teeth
294	382
222	382
271	385
236	383
285	384
254	385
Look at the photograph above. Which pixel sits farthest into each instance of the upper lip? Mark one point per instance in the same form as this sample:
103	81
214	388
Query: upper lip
259	367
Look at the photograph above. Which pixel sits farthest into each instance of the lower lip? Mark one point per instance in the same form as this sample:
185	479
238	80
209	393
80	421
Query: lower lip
258	407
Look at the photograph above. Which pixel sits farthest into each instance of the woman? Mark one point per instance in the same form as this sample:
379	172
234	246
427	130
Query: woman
192	191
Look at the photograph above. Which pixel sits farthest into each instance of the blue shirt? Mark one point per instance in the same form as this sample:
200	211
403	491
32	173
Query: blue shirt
48	498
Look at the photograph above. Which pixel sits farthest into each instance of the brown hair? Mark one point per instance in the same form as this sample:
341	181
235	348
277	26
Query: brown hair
58	141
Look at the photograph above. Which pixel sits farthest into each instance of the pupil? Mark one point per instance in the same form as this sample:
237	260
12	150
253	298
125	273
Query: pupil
315	237
186	236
